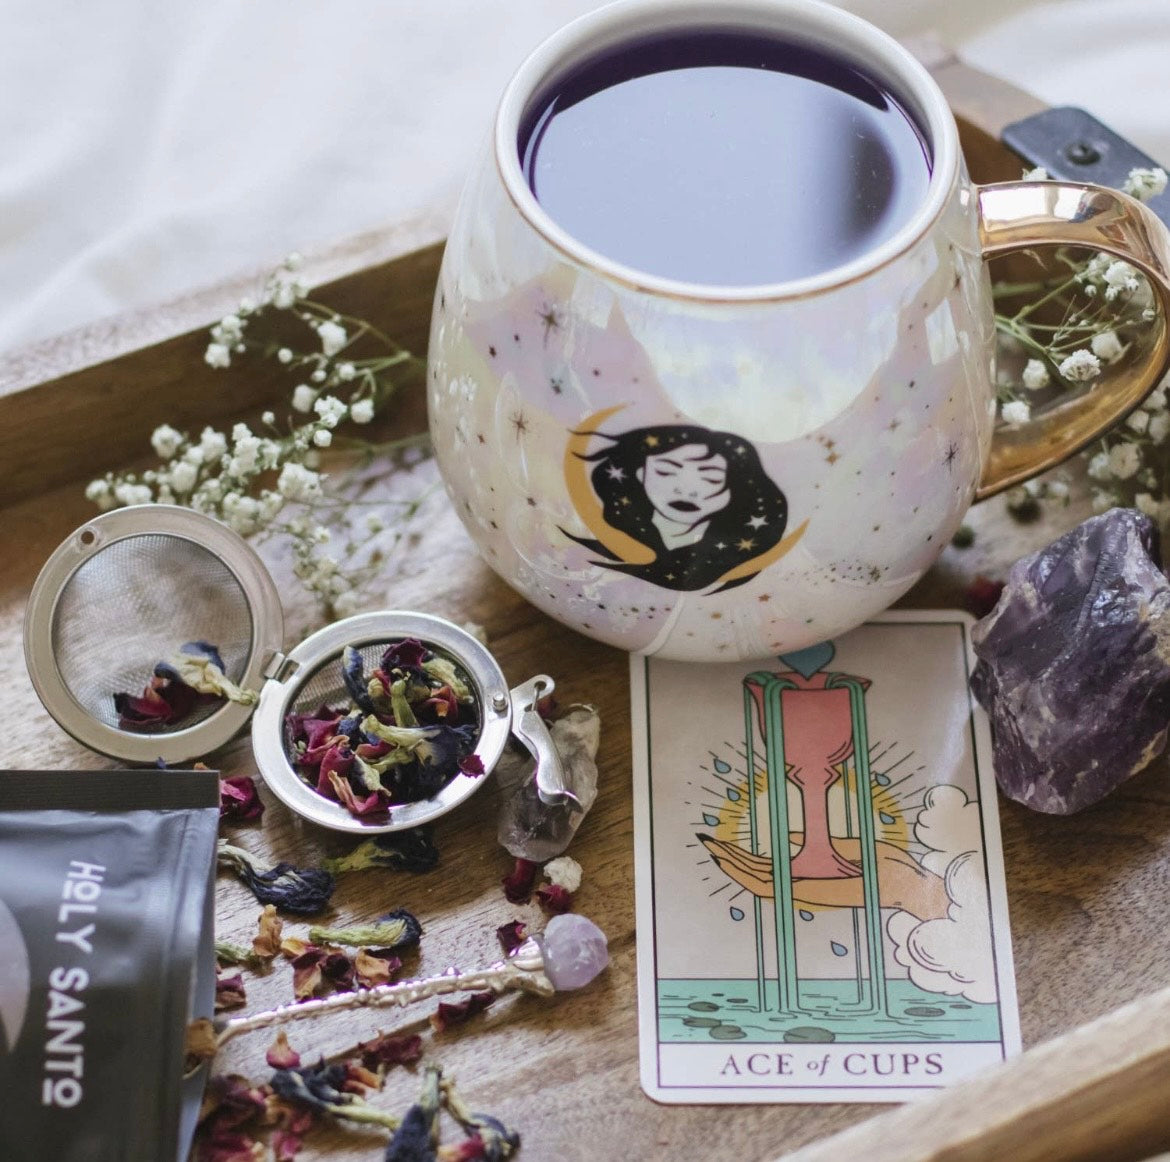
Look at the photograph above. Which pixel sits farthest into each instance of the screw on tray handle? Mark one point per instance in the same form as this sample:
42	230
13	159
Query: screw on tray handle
529	728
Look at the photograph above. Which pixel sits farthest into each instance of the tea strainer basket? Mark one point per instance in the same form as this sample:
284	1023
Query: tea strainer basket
129	587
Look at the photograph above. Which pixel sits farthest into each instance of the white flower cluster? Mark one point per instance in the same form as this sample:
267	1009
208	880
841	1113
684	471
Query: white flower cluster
1096	311
1113	279
1023	501
1145	184
1127	465
251	479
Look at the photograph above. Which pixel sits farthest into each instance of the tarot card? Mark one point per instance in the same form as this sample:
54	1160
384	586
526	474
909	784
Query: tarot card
820	888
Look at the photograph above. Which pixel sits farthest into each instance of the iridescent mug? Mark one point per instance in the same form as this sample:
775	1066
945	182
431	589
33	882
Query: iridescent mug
831	432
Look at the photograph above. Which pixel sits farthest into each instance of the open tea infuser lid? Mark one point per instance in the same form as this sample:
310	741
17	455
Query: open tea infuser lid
129	588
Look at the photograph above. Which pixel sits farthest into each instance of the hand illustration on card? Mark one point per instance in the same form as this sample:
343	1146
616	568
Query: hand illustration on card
837	933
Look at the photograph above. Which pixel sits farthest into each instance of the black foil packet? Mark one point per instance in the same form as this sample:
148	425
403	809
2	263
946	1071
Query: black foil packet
106	954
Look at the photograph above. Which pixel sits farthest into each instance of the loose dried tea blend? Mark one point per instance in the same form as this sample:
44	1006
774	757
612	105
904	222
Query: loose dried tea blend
106	954
191	679
411	725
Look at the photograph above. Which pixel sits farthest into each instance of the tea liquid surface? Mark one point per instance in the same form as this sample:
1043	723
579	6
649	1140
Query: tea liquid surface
724	158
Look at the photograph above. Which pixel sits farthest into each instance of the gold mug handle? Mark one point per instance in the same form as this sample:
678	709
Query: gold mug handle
1015	215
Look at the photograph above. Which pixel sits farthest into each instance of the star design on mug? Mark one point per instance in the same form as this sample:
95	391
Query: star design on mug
764	597
520	422
557	384
615	473
952	452
745	544
651	441
757	522
550	319
832	458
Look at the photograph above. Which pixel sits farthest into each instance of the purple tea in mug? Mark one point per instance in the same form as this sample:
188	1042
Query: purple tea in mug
723	158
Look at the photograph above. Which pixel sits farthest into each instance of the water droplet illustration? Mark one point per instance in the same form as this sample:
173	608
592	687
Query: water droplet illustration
886	818
711	820
736	913
722	767
882	780
701	1022
838	949
733	794
703	1007
805	915
925	1011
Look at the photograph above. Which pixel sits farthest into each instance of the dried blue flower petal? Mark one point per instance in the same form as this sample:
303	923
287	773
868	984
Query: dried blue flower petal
353	673
488	1137
204	650
397	930
331	1089
417	1138
300	891
413	850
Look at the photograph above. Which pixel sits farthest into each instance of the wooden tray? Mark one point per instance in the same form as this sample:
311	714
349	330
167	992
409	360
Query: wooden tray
1086	893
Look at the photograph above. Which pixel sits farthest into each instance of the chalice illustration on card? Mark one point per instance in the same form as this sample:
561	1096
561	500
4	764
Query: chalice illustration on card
810	723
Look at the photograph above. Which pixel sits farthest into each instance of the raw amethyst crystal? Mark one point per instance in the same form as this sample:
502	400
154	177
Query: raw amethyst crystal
1074	664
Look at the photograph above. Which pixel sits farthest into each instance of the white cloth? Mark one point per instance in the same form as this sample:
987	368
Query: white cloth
147	150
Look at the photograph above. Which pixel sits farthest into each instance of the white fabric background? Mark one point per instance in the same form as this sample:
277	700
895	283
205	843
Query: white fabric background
150	149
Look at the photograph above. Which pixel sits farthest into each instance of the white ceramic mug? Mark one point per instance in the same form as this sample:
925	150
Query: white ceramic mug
836	427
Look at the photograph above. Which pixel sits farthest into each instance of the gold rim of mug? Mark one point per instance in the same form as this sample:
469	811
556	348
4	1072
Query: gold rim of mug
820	25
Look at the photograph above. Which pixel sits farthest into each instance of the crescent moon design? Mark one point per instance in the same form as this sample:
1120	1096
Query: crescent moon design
752	567
624	547
15	978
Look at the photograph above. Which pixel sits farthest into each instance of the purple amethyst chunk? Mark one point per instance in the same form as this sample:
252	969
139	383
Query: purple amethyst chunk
1074	664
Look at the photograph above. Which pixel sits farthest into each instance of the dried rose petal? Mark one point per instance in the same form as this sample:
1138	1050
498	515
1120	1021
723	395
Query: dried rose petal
374	967
458	1012
307	972
294	946
472	764
374	804
518	885
286	1145
981	596
337	968
231	1100
407	654
441	706
229	1146
229	992
167	699
239	800
554	899
512	935
281	1055
388	1049
266	943
359	1079
468	1150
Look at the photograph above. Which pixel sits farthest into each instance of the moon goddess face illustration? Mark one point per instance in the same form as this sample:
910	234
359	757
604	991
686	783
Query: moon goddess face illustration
685	487
681	506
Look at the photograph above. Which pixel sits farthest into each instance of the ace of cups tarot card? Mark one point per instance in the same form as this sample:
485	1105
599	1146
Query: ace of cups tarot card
820	891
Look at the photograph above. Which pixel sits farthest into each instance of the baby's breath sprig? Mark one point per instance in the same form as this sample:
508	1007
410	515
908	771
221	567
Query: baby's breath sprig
267	483
1071	328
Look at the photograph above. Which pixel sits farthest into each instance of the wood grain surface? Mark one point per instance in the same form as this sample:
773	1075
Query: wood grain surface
1087	894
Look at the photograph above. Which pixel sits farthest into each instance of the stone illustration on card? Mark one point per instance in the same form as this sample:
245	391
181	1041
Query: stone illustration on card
866	899
678	505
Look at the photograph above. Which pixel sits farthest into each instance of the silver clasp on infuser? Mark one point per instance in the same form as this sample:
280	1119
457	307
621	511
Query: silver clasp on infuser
529	728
